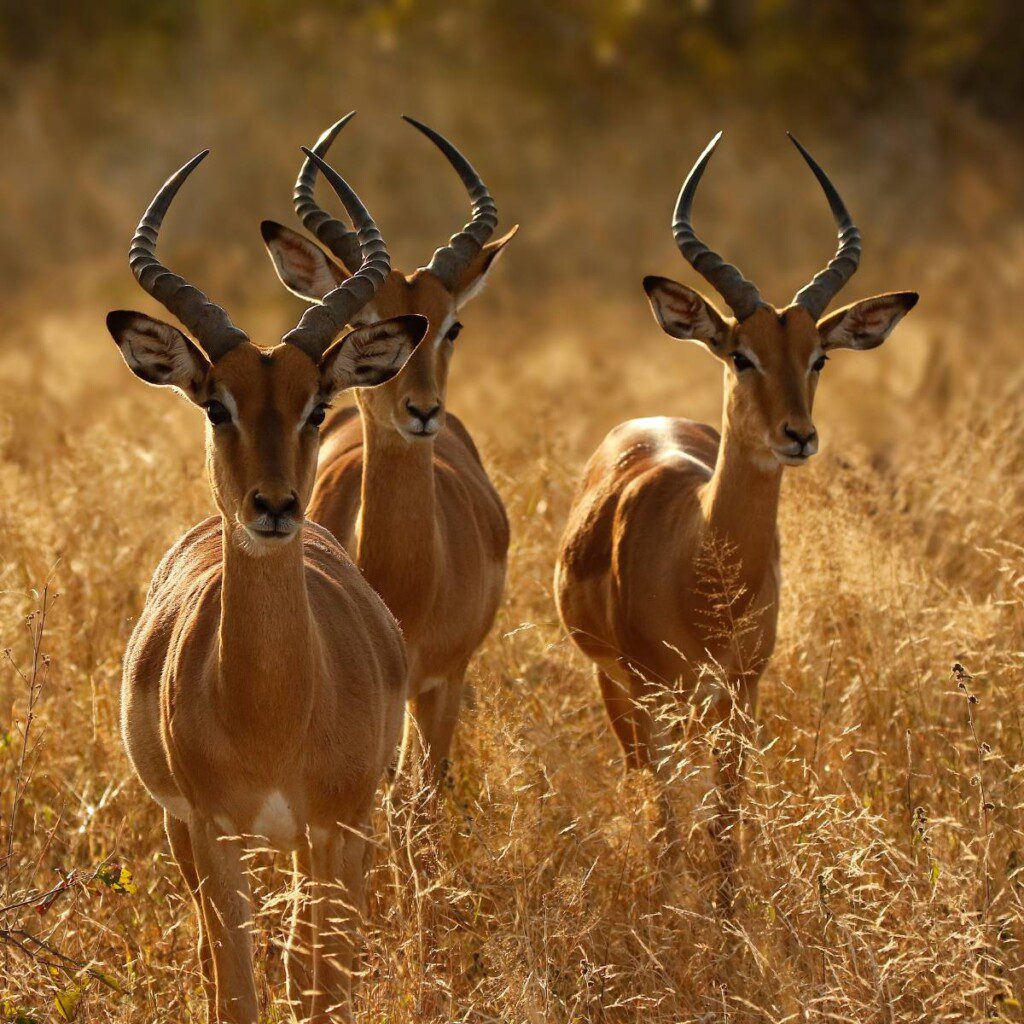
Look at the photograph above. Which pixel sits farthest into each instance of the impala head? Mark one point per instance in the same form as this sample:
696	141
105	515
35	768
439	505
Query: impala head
263	405
413	403
774	357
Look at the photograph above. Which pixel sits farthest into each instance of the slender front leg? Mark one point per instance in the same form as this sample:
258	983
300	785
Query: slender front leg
181	851
299	953
341	866
622	713
648	732
227	918
326	926
437	716
732	720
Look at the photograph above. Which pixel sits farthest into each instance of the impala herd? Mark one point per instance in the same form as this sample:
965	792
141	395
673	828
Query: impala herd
326	615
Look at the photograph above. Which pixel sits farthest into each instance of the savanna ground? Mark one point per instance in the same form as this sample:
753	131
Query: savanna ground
882	880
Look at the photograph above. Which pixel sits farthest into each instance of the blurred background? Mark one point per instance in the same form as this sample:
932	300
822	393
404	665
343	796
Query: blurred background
583	118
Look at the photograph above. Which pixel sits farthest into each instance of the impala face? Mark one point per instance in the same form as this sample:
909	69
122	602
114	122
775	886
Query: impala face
774	359
264	408
413	401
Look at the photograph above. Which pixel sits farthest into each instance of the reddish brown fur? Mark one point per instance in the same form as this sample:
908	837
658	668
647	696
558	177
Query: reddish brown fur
377	481
264	683
670	521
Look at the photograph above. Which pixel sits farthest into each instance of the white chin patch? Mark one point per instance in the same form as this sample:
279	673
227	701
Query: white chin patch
257	544
793	460
417	431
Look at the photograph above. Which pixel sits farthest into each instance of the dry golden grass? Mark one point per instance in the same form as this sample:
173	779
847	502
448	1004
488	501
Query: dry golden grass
878	884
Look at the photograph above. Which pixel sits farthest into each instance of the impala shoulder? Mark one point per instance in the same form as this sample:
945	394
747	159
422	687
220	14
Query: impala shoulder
457	431
195	553
323	549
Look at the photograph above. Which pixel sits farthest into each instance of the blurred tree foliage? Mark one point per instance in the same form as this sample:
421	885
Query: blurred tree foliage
830	52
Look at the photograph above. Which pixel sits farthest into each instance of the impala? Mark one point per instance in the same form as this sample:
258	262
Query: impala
264	684
400	481
666	505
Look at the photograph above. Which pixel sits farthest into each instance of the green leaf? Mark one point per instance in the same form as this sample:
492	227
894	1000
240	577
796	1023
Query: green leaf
67	1002
107	979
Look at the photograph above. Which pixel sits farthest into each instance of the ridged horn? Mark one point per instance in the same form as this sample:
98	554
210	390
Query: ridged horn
336	235
208	323
823	288
321	324
741	295
451	260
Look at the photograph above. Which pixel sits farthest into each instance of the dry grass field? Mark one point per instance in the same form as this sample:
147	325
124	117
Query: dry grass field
883	879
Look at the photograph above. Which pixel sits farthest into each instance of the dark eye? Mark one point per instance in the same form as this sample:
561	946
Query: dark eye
453	331
316	417
741	362
819	364
217	412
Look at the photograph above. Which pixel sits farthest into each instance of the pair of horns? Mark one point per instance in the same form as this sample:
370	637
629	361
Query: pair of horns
742	295
362	250
451	260
210	324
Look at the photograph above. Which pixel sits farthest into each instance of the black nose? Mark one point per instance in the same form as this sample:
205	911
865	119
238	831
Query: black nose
277	507
423	414
801	439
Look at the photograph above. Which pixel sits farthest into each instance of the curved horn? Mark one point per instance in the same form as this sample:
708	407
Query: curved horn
741	295
343	242
320	324
825	284
208	323
451	260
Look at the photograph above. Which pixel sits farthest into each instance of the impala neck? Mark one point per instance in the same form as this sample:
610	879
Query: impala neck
268	645
741	501
396	534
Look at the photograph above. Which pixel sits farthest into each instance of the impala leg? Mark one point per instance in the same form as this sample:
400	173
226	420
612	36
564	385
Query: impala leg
646	739
299	951
341	869
227	918
623	714
732	716
326	926
437	715
181	851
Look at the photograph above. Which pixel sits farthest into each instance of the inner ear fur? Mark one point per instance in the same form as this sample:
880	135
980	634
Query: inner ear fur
158	353
368	356
303	266
684	313
865	324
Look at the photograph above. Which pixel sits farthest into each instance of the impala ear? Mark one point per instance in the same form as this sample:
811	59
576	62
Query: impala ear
368	356
158	353
474	277
304	268
866	324
685	313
